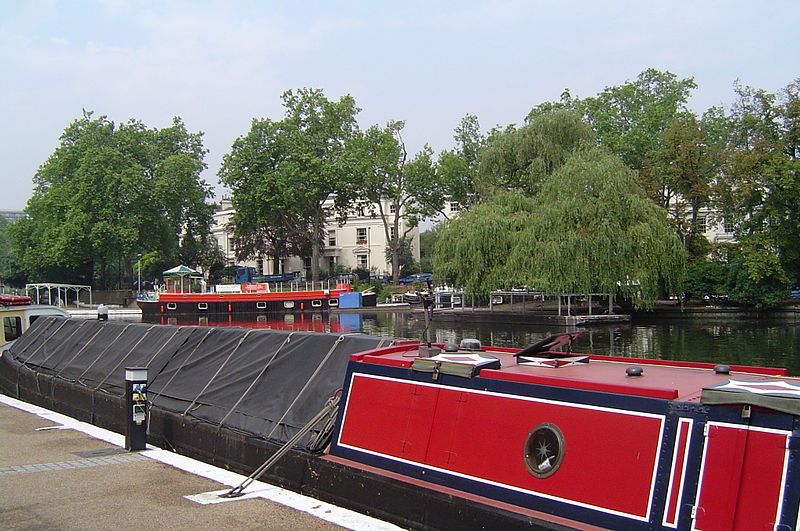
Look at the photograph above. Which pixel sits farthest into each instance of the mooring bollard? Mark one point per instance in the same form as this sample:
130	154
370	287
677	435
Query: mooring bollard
136	408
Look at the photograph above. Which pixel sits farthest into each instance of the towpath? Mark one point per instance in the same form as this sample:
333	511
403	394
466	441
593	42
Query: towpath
53	475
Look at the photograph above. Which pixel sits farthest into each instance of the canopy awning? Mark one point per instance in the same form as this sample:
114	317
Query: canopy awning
181	271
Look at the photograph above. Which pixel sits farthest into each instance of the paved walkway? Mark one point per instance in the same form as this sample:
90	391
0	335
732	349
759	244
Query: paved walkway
54	476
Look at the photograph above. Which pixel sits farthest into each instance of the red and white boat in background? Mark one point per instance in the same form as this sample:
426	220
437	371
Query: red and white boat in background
618	443
249	298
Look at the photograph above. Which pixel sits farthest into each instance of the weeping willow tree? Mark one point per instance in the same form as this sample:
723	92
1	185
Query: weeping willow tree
595	230
590	229
472	250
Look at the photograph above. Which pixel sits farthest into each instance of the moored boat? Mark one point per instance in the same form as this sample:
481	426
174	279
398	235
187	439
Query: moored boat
185	293
17	314
447	436
248	298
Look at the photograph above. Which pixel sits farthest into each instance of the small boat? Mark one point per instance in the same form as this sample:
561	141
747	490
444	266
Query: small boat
445	436
17	313
191	298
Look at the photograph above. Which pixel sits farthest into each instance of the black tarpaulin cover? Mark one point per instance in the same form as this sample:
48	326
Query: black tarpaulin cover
263	382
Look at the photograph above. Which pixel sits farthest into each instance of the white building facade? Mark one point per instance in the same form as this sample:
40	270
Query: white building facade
360	243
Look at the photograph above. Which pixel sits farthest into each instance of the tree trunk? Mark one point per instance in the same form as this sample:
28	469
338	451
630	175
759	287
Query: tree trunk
395	260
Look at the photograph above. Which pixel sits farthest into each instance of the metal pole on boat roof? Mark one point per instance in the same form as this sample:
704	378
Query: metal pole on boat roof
590	304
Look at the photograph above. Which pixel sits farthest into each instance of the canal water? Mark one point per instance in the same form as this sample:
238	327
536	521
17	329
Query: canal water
733	338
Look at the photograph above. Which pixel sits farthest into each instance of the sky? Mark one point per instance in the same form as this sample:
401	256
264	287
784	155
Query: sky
219	64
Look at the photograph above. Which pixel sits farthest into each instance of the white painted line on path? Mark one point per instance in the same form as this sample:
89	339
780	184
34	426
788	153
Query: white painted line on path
322	510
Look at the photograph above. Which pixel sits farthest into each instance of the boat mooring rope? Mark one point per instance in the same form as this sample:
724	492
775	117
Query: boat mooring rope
326	413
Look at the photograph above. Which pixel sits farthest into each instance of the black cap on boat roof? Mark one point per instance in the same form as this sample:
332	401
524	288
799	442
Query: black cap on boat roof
550	343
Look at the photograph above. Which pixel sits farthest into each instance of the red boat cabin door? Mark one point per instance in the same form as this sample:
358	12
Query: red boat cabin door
741	478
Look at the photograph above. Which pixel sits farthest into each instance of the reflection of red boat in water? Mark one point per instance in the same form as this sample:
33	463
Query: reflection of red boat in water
300	322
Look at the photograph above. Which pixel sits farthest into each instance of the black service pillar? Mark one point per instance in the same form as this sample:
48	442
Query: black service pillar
136	408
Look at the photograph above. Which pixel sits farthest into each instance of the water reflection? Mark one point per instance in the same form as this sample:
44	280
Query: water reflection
742	339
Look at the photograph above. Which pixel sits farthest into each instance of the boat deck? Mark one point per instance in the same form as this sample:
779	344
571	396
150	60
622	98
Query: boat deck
669	380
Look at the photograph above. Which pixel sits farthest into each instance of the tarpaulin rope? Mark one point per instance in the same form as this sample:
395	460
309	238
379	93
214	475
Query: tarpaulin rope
44	341
222	366
126	356
78	379
306	386
189	357
253	383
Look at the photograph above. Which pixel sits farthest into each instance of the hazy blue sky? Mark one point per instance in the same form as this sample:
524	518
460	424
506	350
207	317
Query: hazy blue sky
219	64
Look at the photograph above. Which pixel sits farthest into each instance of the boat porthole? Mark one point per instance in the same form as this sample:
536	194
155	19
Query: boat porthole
544	450
333	303
288	304
172	306
261	305
316	303
202	306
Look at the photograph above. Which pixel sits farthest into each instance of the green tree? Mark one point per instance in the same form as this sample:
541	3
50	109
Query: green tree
760	191
268	220
590	229
111	191
472	251
427	244
521	158
680	173
629	119
409	188
283	173
458	168
10	271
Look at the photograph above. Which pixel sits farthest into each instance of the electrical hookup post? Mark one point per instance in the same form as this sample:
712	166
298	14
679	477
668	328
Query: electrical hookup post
136	408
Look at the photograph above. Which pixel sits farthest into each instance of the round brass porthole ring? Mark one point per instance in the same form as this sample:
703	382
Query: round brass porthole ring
544	450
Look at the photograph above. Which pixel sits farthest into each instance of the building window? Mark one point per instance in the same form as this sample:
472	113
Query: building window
454	207
727	226
392	208
391	233
332	238
701	224
361	236
362	261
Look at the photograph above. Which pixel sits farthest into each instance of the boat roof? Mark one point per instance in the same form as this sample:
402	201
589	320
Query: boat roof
664	379
36	309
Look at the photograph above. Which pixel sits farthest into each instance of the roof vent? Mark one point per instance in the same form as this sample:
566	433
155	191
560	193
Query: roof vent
451	347
722	369
634	371
470	344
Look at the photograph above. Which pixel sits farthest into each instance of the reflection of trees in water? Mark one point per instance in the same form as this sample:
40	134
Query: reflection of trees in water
738	339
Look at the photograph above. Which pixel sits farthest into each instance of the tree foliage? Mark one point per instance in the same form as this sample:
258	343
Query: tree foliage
110	191
10	271
629	119
521	158
386	178
472	250
459	167
282	173
590	229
